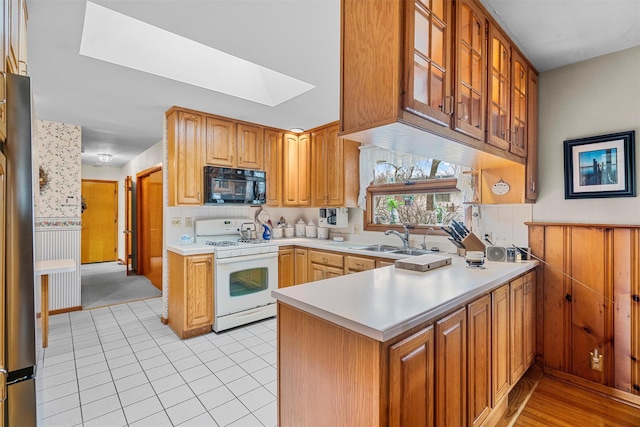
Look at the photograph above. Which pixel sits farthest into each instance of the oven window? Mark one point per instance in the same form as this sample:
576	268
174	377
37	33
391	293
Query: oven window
248	281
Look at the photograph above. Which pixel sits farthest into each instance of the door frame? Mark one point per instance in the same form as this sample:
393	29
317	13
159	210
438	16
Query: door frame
138	234
128	224
117	213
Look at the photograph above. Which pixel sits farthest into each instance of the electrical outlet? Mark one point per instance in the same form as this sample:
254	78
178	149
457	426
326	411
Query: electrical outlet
357	229
188	222
176	222
596	360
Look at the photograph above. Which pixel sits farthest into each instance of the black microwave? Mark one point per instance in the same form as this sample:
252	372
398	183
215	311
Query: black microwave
234	186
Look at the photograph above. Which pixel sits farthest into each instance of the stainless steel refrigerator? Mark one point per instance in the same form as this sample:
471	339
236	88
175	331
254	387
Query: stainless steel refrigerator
18	346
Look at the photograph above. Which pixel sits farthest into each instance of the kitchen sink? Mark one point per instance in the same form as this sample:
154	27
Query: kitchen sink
411	251
377	248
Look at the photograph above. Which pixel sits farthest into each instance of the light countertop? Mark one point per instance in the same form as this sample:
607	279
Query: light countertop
54	266
388	301
324	244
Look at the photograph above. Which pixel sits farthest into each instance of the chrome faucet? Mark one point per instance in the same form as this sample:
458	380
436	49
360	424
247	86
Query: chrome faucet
424	238
404	238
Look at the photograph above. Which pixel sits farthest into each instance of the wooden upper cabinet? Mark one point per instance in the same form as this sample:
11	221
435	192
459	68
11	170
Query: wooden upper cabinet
428	40
335	178
531	190
3	70
471	69
327	158
232	144
296	176
250	147
519	105
319	185
440	67
16	59
220	146
273	165
184	143
500	89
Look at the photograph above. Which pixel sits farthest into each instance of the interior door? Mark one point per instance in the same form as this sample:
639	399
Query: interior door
3	378
99	221
128	223
149	208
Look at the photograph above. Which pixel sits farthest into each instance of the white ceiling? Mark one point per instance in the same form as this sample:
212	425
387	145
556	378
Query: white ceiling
121	110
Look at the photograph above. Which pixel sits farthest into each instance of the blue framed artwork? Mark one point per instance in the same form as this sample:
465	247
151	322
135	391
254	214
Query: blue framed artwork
600	166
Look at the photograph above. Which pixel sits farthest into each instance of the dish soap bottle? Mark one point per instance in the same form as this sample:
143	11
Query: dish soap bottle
266	235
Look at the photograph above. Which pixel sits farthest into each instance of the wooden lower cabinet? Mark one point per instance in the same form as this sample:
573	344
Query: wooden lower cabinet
451	371
500	343
435	374
384	263
356	264
301	261
479	360
529	326
286	266
516	330
190	294
411	380
325	265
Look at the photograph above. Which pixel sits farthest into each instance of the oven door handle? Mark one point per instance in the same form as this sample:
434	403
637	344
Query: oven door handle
246	258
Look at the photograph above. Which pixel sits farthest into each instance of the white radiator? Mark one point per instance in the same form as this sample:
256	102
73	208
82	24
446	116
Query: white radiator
59	240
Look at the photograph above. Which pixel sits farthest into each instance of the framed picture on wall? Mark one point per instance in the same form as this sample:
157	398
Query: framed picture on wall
600	166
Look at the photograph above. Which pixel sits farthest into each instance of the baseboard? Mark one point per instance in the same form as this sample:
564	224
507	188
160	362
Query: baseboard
65	310
164	320
121	261
606	391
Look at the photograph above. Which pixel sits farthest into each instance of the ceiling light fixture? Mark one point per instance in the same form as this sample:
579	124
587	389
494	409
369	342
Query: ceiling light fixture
297	130
105	157
122	40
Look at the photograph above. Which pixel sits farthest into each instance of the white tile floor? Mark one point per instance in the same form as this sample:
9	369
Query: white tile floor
119	366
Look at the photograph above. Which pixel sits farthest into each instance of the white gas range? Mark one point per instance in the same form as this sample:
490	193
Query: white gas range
245	271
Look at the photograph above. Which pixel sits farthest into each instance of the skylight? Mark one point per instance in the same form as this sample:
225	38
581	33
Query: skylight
122	40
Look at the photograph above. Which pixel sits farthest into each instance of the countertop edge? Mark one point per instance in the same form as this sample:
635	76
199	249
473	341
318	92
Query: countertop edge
392	331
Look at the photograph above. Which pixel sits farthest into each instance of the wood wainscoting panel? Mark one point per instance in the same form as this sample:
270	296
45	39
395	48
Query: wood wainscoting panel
342	366
590	301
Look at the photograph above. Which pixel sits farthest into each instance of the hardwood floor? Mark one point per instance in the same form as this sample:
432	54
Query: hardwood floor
555	403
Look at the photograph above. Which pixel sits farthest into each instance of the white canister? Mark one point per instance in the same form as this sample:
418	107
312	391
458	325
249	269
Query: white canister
300	226
277	233
288	230
311	230
323	232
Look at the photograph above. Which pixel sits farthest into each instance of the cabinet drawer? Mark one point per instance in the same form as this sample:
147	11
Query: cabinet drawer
326	258
355	264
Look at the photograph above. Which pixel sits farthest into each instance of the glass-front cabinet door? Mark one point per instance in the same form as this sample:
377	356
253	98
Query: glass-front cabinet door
519	106
471	70
499	89
428	41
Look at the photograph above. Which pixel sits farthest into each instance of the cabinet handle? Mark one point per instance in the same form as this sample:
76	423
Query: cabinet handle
636	298
198	196
443	108
533	186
